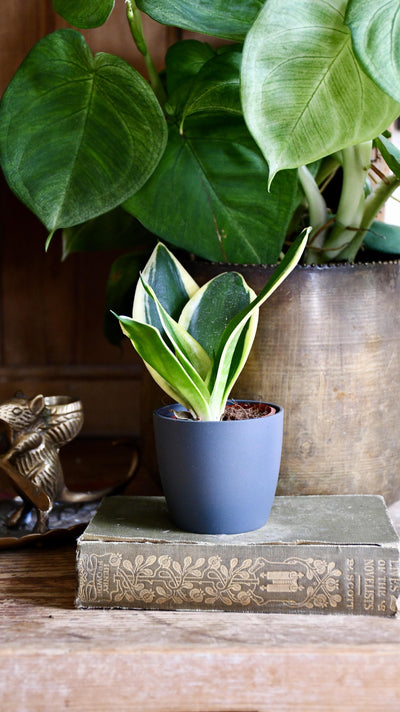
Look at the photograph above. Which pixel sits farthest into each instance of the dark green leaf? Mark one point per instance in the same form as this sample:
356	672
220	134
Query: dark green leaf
78	134
383	238
216	87
116	230
375	29
209	194
390	153
219	18
183	62
120	290
85	13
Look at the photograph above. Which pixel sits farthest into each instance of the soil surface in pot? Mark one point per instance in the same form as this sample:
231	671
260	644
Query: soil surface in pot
235	411
245	411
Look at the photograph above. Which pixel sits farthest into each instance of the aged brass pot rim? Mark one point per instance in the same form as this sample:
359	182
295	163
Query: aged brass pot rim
349	265
327	266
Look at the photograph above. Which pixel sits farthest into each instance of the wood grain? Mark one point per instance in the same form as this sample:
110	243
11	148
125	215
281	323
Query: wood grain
51	312
54	657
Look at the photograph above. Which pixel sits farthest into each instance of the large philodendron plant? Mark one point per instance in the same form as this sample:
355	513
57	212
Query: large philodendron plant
230	151
195	340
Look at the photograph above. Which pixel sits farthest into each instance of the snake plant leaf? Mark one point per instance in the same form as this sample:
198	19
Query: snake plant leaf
375	29
304	92
78	134
187	349
203	320
178	381
218	18
390	153
383	237
200	317
220	384
233	360
169	280
206	178
173	358
85	13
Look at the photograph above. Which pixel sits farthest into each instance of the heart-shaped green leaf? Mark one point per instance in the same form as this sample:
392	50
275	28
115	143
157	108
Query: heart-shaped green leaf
120	290
116	230
375	29
383	238
78	134
217	176
183	62
304	93
216	87
85	13
390	153
212	17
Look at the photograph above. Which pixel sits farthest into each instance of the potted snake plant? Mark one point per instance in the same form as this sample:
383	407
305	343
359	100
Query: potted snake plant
218	461
292	102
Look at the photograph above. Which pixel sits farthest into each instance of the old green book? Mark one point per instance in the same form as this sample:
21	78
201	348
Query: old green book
316	554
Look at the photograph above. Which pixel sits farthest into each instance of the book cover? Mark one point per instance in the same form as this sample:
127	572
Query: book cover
316	554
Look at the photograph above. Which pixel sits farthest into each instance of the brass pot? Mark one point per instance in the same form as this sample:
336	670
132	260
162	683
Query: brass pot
328	349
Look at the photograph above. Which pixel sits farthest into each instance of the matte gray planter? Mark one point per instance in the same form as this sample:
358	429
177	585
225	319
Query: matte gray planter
218	477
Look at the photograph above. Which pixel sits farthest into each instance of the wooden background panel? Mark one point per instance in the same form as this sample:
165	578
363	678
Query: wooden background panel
114	37
23	22
34	289
51	313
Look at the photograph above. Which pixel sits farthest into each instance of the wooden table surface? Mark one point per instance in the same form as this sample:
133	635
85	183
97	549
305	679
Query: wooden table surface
55	658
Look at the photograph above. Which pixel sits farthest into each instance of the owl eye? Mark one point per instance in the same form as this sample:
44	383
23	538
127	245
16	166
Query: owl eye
16	411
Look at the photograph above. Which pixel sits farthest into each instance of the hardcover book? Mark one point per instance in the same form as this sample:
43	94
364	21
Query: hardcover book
316	554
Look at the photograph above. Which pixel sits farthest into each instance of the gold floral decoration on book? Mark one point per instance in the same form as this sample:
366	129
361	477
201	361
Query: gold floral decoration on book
210	582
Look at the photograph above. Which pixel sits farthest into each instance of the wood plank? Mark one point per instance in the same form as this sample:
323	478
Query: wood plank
23	22
179	661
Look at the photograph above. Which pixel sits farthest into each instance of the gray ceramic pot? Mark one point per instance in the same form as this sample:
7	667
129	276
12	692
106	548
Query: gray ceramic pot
218	477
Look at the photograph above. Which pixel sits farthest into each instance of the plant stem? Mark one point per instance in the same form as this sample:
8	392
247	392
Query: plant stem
136	28
373	204
356	161
327	169
378	198
318	213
